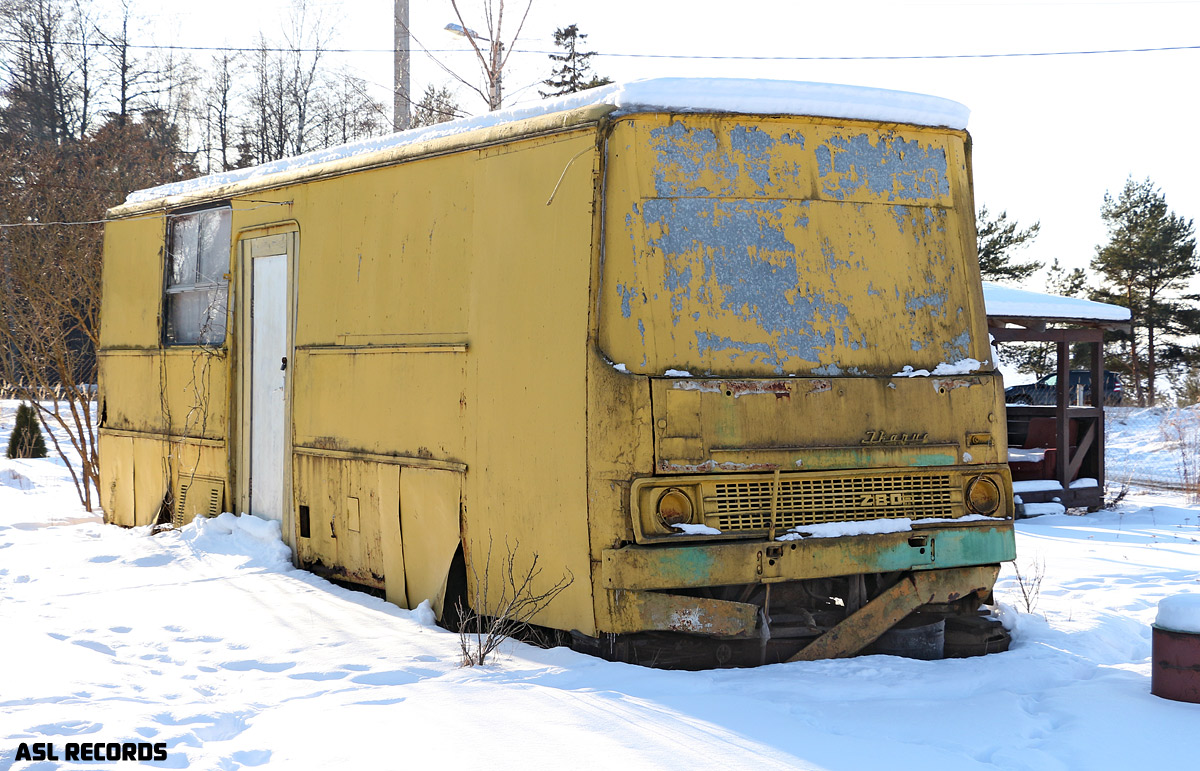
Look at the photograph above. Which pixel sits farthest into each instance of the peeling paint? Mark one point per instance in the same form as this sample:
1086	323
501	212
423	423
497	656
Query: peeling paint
755	145
935	301
687	620
956	349
752	256
780	389
688	153
743	250
627	295
893	169
942	385
711	465
818	387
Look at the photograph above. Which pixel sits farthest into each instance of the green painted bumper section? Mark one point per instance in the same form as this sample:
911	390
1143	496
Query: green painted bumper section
740	562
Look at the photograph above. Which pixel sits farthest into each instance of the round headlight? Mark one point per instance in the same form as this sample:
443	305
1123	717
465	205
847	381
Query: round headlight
983	496
674	507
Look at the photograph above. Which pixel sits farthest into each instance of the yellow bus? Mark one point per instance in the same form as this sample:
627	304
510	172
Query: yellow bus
712	351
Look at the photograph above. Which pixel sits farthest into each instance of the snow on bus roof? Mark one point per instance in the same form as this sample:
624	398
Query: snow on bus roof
1005	301
732	95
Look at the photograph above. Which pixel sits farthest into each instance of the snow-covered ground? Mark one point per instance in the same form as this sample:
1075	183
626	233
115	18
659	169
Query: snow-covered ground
207	641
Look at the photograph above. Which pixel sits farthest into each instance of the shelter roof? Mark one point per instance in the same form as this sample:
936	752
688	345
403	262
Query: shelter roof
1022	306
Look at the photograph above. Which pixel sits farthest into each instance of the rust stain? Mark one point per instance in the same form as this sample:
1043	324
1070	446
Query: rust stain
326	443
819	387
942	385
780	389
712	465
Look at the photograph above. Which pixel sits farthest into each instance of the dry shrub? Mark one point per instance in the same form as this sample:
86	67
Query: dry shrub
479	635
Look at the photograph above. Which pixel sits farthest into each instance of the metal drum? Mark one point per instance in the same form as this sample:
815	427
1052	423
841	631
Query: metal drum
1175	667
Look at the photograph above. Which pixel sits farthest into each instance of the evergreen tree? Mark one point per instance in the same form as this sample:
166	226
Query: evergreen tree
574	70
1147	263
26	440
1040	359
438	105
997	237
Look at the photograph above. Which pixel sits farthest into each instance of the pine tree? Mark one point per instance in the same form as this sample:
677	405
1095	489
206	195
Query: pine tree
1040	359
1148	261
26	440
574	73
438	105
996	238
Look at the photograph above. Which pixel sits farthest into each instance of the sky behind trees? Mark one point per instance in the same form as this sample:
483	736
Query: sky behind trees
1051	134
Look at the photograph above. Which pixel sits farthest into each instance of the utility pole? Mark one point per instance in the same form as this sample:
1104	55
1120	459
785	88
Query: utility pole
400	98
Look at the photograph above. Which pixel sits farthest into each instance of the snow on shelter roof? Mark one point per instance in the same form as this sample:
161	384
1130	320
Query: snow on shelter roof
729	95
1007	302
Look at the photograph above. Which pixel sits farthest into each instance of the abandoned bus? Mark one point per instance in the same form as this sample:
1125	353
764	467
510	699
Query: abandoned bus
712	352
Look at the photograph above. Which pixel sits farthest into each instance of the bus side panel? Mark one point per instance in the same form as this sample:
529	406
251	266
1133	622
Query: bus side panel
527	484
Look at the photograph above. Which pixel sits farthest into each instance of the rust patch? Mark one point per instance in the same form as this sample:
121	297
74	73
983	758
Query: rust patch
326	443
712	465
943	385
819	387
780	389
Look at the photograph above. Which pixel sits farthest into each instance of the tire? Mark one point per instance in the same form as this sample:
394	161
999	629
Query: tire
1023	400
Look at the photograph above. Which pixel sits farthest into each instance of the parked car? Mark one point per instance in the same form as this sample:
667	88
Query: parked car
1043	391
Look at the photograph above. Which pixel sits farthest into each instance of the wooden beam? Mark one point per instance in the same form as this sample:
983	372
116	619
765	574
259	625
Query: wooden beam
863	627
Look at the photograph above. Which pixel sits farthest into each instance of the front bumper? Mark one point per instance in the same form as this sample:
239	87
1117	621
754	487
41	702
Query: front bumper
637	575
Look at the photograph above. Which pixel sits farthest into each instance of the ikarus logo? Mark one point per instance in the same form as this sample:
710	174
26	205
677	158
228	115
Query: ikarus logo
890	437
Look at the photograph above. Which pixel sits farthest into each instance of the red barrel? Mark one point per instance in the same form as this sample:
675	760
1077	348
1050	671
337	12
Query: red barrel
1175	668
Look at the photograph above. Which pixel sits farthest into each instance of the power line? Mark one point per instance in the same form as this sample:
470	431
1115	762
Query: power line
891	57
693	57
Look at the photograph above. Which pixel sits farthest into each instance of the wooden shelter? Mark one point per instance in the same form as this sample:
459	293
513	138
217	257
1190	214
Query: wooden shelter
1068	436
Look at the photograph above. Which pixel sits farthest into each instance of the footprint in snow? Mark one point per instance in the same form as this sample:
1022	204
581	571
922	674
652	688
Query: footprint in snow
208	727
66	728
104	558
393	677
251	758
252	664
151	561
99	647
317	675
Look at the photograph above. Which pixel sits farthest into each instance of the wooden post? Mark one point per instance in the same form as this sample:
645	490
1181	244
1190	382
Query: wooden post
1062	440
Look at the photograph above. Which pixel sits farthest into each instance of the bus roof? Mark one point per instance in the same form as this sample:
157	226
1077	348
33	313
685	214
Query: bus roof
720	95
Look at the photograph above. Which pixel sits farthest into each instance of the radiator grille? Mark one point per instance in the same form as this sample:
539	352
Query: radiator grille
747	505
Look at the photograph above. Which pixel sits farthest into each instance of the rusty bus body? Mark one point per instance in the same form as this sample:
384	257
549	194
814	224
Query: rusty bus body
728	371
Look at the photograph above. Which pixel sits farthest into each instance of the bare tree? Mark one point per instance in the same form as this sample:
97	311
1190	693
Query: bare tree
494	62
84	33
218	111
344	111
133	79
38	87
52	200
306	39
